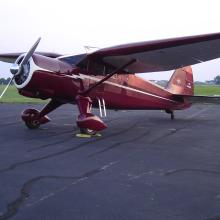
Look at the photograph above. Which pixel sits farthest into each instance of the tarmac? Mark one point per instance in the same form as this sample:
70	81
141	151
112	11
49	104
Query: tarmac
143	167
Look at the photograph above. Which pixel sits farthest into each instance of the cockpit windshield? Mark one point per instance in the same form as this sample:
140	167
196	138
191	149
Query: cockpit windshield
73	59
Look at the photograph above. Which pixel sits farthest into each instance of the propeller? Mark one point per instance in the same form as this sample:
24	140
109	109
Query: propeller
5	89
16	68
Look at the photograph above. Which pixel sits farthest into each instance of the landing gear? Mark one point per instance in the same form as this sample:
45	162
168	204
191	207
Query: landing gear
171	112
87	131
32	124
87	122
172	115
34	118
31	118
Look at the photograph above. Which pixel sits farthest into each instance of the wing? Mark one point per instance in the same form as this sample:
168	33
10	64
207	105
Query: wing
11	57
151	56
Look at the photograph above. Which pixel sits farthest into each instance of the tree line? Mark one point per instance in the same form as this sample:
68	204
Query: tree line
217	80
4	81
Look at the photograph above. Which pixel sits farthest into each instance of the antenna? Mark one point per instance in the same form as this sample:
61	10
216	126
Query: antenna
90	49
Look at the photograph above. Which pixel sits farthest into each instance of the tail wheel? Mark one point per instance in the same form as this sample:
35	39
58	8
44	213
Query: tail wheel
171	112
172	116
32	124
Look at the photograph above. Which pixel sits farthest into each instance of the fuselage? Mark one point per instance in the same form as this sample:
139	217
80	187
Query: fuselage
126	91
51	78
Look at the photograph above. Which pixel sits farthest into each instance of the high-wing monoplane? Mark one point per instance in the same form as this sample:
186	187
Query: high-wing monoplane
106	78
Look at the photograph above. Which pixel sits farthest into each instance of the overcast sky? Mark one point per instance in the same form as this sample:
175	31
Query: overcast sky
67	26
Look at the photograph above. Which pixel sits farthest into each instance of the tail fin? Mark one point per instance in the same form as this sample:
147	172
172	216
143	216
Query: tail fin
181	82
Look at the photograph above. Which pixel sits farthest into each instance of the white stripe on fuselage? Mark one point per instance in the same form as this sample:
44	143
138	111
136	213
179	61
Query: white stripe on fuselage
82	76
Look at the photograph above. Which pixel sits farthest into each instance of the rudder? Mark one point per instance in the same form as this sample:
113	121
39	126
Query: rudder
181	82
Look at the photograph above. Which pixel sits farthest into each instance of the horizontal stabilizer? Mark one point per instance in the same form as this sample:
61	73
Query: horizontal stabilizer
200	99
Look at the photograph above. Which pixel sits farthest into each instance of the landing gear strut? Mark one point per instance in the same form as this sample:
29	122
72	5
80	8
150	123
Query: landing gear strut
86	121
171	112
34	118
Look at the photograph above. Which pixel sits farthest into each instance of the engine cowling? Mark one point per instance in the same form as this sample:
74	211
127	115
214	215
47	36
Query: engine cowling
44	77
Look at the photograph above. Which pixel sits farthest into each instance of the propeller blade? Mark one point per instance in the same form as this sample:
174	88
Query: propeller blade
17	68
30	53
6	87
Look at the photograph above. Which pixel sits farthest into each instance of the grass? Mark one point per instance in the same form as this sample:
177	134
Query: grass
12	96
207	90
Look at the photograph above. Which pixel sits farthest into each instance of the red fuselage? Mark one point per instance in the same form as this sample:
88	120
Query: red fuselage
55	79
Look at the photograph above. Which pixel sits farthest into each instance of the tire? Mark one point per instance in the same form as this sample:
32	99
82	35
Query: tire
171	113
33	124
87	131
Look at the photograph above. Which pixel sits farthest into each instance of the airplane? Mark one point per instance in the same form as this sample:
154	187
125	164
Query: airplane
106	79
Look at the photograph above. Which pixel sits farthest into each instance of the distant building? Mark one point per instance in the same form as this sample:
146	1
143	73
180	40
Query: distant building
210	82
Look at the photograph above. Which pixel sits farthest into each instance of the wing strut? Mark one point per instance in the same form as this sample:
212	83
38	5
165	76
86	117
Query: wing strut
108	76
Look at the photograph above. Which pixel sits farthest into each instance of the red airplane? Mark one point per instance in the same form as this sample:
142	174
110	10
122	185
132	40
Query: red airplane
105	78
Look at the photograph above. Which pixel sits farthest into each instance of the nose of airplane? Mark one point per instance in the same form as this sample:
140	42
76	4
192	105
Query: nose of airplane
21	65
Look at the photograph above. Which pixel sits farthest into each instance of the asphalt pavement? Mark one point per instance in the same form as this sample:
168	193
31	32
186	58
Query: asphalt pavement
144	166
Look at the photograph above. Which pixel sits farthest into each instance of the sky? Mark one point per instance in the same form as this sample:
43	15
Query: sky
67	26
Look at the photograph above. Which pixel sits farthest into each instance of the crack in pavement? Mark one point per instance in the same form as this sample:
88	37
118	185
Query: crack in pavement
162	172
171	132
45	137
62	141
54	143
119	143
56	134
13	207
214	218
175	171
15	165
175	130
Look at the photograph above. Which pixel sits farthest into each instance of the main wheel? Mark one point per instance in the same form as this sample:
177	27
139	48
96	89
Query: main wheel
32	124
87	131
